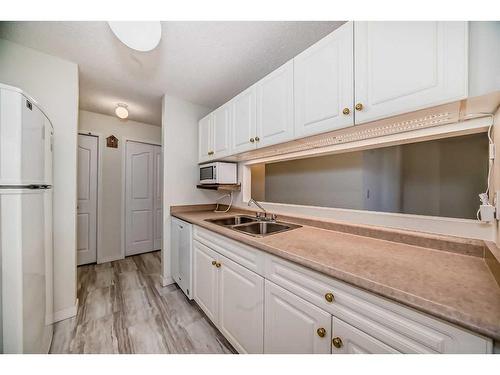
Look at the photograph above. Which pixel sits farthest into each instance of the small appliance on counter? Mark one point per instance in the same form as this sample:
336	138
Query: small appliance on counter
218	173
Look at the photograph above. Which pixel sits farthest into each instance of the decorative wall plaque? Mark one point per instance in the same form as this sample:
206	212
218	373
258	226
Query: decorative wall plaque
112	141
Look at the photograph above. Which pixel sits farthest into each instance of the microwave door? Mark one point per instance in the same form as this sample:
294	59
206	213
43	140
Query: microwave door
207	174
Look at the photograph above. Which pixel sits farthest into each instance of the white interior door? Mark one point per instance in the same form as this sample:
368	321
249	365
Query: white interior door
87	199
139	198
158	189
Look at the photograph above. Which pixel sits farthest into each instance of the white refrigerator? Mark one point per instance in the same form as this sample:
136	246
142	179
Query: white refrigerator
26	248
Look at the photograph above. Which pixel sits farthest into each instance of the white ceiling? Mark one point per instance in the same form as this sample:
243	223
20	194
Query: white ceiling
206	63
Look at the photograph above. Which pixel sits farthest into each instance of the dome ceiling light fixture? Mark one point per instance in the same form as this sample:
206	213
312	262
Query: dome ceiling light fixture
141	36
121	111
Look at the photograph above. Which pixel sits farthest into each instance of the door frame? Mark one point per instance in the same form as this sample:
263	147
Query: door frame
100	145
124	141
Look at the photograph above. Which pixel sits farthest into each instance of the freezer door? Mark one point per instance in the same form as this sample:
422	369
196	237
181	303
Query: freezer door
22	144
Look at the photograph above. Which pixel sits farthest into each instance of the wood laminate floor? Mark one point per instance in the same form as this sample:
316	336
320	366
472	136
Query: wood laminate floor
124	309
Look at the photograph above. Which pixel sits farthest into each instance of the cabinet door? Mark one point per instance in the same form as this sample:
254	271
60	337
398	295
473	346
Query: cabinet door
275	106
221	127
353	341
243	121
205	141
406	66
324	84
241	306
291	324
205	280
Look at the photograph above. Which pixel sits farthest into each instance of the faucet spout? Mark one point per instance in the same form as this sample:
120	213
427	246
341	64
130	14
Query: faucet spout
259	206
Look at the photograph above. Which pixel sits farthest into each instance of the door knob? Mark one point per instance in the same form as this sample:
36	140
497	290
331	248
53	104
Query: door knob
329	297
359	107
337	342
321	332
346	111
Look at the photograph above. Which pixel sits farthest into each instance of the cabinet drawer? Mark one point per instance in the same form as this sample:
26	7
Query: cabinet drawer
402	328
244	255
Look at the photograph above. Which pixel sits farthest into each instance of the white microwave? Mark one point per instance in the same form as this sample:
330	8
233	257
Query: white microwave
218	173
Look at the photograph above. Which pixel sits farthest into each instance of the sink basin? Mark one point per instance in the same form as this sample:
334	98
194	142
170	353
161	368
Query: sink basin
264	228
234	220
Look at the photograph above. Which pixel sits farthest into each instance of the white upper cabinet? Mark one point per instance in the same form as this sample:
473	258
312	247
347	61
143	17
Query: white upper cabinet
205	140
221	128
244	129
405	66
324	84
275	107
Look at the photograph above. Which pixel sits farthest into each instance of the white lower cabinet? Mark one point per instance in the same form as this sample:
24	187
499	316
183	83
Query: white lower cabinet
205	279
350	340
265	304
231	296
293	325
241	306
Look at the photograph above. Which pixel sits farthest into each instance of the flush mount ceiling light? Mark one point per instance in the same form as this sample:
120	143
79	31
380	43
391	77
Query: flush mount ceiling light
139	35
121	110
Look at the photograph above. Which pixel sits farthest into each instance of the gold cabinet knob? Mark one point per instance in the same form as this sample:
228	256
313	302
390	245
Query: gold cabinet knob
321	332
346	111
214	263
359	107
210	152
252	140
337	342
329	297
257	139
217	265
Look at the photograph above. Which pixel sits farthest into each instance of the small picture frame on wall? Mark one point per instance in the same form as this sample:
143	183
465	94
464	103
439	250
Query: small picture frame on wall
112	141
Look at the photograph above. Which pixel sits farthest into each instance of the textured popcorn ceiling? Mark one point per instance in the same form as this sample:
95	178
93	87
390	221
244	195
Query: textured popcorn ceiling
206	63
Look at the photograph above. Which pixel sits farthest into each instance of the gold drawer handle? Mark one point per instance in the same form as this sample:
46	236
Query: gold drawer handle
214	263
321	332
337	342
329	297
217	265
252	140
257	139
346	111
359	107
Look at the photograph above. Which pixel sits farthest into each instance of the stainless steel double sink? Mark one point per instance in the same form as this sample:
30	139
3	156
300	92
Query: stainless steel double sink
253	226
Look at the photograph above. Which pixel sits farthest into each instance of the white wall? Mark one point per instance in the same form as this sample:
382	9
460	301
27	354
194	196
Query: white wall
180	165
110	200
53	82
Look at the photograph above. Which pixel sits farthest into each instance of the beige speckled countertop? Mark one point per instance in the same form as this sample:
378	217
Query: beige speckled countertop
457	288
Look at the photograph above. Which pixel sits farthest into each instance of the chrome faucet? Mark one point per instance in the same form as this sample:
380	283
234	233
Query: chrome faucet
259	214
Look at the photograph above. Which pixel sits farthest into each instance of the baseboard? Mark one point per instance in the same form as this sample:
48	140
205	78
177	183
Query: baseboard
110	259
166	281
66	313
